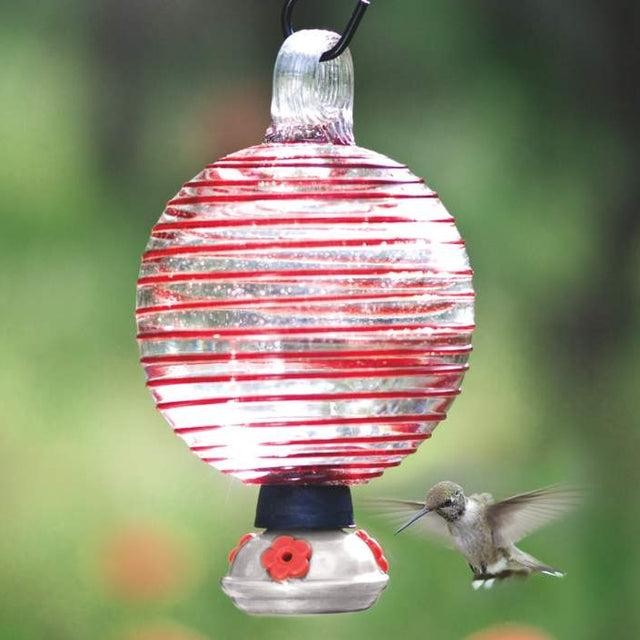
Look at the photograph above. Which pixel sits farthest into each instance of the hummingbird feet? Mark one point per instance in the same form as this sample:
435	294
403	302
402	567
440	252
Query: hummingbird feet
487	580
481	582
482	578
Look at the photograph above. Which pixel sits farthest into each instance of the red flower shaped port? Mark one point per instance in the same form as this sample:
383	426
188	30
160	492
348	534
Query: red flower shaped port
376	549
287	558
245	538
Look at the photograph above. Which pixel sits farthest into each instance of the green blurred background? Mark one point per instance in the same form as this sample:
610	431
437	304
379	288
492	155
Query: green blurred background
523	115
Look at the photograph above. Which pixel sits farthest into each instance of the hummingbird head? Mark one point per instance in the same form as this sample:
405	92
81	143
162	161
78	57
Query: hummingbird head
446	499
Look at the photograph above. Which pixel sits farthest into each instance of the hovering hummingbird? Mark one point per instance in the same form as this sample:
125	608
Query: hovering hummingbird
485	531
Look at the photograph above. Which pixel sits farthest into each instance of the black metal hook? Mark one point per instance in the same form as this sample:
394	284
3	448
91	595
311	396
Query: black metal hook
345	38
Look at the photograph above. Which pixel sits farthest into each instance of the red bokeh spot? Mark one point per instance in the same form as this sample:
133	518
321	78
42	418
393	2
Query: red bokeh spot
163	632
144	564
510	632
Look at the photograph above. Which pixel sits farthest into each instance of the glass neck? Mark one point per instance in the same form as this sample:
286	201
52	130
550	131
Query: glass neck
312	100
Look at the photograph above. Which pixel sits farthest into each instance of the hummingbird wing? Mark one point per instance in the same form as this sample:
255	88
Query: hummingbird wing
519	515
399	511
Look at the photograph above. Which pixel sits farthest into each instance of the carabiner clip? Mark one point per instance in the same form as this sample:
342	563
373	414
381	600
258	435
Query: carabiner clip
345	38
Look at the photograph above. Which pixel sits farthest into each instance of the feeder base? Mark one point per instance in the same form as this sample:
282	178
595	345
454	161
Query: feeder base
344	574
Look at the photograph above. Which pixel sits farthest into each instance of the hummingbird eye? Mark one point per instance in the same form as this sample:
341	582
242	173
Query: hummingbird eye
448	502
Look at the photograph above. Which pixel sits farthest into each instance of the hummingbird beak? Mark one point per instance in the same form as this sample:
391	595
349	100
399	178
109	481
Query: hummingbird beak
417	516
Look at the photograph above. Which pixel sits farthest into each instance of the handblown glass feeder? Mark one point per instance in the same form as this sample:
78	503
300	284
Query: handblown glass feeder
305	310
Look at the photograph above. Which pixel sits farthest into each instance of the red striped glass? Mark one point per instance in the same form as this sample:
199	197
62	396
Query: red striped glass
304	313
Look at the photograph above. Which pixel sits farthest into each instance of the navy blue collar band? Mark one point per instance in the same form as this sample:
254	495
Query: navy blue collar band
304	507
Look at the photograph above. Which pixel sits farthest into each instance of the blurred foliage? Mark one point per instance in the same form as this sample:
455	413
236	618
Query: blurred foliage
525	118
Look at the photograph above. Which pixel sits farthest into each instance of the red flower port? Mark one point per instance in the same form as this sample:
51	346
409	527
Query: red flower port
287	558
376	549
245	538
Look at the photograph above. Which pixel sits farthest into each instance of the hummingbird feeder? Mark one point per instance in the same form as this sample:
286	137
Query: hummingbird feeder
305	310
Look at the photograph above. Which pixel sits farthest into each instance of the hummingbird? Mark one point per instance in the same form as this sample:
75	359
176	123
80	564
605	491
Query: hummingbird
484	530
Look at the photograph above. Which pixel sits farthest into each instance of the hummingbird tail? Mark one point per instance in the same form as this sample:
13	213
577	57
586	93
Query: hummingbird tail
532	564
